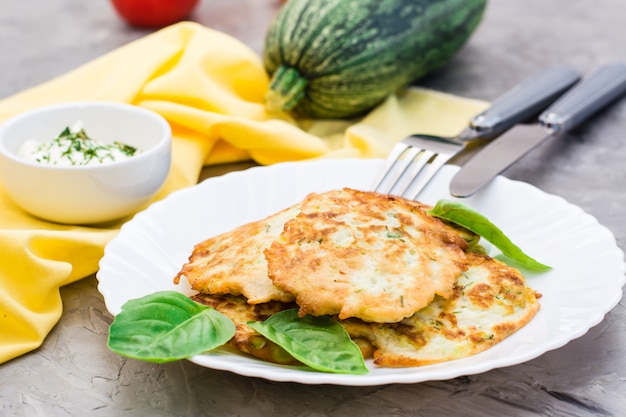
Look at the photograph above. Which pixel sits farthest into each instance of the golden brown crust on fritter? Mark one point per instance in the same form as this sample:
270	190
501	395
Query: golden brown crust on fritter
491	301
234	263
247	339
366	255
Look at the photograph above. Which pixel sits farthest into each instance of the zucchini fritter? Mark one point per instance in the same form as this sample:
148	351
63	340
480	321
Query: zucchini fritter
247	339
367	255
233	262
491	301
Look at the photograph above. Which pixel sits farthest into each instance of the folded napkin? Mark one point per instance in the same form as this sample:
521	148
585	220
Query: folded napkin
210	88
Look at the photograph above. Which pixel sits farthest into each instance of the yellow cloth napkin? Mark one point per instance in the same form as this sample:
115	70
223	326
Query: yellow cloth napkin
210	88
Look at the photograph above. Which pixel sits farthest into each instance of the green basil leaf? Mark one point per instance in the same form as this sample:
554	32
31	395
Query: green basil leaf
167	326
319	342
472	220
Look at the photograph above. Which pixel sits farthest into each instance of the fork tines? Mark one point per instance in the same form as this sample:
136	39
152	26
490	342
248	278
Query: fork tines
402	173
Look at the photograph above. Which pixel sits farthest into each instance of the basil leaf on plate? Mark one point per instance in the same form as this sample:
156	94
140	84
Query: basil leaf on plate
319	342
472	220
166	326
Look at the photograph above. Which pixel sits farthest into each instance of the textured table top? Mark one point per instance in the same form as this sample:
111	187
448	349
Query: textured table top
74	374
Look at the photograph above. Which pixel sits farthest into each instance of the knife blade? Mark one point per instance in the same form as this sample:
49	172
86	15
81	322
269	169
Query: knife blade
593	93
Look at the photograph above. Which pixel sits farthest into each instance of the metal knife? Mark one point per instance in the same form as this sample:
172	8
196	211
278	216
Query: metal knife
594	92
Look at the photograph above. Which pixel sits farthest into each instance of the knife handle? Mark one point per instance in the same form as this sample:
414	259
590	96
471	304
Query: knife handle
524	101
593	93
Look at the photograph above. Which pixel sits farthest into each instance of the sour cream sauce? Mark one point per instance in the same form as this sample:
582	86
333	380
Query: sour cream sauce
73	147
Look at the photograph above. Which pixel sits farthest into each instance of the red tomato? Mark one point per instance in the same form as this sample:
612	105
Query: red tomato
154	13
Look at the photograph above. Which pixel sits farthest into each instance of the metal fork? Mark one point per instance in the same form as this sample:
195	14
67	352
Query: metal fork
415	160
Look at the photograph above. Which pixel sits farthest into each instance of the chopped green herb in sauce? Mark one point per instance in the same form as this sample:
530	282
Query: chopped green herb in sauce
74	147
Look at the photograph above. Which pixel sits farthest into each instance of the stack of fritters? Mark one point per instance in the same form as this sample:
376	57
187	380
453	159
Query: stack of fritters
409	288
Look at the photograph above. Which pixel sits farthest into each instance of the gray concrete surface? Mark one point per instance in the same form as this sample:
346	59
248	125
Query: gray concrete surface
74	374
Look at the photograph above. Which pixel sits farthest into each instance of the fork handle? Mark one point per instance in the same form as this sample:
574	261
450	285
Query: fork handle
524	101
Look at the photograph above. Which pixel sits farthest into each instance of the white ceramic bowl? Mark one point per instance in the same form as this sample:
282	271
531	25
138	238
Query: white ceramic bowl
86	194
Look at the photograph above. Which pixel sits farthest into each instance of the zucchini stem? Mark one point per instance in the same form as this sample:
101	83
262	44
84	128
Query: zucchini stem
285	91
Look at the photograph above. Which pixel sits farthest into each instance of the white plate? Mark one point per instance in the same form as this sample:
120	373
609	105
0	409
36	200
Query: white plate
585	283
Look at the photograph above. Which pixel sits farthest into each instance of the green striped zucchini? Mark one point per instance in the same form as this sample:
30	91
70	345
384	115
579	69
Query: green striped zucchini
340	58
